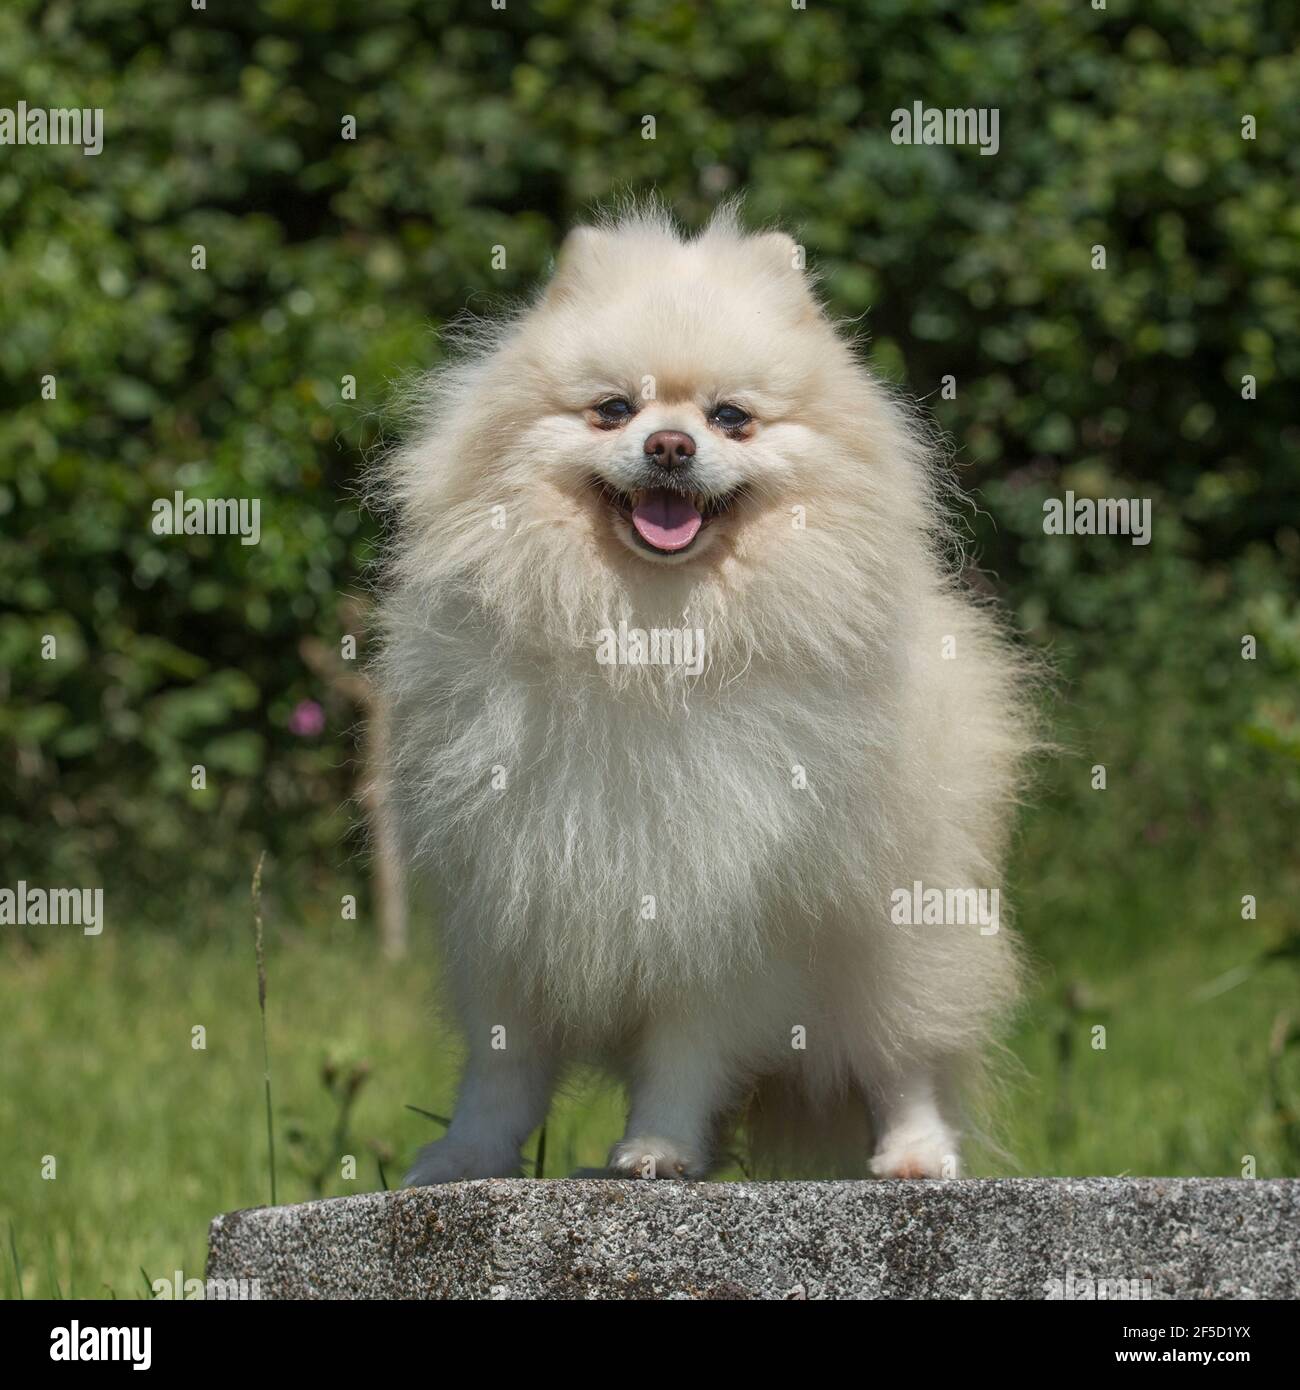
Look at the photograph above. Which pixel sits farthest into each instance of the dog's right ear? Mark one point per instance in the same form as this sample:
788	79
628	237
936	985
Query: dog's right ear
580	252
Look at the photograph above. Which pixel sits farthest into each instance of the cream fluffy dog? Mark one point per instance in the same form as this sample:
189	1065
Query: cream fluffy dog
684	698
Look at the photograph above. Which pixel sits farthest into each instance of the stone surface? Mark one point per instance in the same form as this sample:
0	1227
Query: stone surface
580	1239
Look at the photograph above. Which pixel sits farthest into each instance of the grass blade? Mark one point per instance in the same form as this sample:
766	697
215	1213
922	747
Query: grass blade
429	1115
18	1264
261	1005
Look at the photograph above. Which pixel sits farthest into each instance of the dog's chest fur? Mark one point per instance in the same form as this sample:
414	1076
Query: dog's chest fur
595	834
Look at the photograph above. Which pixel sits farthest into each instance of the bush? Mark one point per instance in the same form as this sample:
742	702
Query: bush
328	258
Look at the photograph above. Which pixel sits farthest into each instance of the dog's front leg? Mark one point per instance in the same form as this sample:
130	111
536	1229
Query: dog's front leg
682	1082
914	1139
503	1097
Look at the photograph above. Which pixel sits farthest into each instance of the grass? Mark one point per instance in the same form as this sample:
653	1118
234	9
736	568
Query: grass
152	1135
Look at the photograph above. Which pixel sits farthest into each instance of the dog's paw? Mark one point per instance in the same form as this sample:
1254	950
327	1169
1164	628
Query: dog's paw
918	1151
653	1157
450	1160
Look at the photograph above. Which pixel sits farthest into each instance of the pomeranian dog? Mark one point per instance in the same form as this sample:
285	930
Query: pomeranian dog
702	746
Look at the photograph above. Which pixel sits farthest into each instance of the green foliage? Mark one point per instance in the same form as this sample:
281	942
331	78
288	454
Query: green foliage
328	257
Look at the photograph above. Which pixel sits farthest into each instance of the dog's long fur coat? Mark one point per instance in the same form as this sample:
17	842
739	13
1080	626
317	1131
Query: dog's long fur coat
688	878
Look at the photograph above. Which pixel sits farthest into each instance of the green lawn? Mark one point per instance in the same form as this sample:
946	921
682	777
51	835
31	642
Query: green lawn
153	1137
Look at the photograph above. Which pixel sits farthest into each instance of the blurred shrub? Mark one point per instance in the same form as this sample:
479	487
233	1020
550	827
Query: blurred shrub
478	127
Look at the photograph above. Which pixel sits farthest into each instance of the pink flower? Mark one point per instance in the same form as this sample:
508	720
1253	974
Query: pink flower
307	719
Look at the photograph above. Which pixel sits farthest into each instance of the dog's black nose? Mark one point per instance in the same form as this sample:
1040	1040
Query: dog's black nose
670	448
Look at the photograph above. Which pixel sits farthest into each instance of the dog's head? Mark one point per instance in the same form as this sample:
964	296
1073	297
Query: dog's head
673	421
689	376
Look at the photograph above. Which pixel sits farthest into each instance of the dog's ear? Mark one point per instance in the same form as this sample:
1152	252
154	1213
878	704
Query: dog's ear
782	250
784	256
580	252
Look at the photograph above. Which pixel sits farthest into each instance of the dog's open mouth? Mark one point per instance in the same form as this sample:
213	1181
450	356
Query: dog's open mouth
665	521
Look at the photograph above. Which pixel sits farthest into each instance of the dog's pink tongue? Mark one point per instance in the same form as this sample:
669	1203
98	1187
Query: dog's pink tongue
665	520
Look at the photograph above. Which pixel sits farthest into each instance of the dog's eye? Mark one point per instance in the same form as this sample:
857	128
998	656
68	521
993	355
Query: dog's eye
615	410
730	417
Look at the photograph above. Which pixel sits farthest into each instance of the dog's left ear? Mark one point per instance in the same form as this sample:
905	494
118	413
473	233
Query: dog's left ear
579	253
783	250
